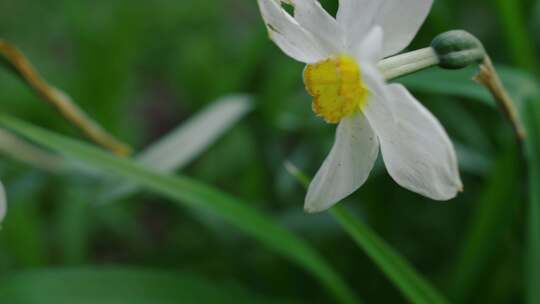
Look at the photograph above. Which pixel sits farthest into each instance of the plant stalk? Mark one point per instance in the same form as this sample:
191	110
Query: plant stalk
18	63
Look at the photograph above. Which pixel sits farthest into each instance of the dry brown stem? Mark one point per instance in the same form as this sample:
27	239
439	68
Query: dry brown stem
489	78
16	60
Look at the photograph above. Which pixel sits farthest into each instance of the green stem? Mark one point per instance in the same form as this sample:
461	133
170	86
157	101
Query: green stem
408	63
397	269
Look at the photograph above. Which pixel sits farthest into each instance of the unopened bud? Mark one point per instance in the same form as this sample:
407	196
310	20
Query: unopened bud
458	49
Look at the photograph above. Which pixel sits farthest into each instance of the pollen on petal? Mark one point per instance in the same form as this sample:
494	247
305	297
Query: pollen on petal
336	86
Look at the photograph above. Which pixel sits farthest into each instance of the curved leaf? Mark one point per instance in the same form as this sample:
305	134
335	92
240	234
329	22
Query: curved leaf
190	139
415	288
194	194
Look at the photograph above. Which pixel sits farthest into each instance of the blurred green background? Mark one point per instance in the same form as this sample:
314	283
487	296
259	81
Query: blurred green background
143	67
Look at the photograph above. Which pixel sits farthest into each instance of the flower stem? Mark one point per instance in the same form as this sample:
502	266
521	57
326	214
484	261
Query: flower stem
407	63
456	50
18	63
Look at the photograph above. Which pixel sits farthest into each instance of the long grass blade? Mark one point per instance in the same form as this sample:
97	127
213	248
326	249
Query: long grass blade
181	146
523	52
518	38
496	211
413	286
533	239
193	194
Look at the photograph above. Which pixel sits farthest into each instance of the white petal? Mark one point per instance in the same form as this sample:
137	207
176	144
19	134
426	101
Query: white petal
356	18
3	206
416	149
369	50
189	140
315	19
293	40
400	20
347	166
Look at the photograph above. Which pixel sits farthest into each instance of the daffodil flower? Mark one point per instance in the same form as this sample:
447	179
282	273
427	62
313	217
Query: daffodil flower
348	89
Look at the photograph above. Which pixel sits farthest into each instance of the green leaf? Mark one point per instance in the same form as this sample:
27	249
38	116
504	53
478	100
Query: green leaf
415	288
532	115
495	211
523	88
186	142
487	226
523	53
119	286
516	35
459	83
194	194
177	149
17	149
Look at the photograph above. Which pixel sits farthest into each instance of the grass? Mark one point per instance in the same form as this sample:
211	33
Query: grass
143	68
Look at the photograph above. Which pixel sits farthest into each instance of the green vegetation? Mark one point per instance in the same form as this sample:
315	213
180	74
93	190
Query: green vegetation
229	226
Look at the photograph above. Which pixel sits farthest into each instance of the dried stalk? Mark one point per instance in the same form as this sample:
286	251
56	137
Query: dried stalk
16	60
489	78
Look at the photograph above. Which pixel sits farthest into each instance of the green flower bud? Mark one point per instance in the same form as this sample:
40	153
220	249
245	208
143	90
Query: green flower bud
458	49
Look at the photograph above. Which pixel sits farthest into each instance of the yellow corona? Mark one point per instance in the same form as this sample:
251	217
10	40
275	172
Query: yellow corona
336	86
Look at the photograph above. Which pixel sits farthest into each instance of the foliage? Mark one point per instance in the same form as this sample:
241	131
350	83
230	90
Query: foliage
142	68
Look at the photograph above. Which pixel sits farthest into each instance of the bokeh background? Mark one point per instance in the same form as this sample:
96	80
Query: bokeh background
141	68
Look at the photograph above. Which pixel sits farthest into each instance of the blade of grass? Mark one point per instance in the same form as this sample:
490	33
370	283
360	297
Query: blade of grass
14	147
532	116
193	194
413	286
522	87
524	55
496	210
517	37
181	146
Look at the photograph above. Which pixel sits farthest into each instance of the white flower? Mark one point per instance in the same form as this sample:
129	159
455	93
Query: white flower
2	203
341	55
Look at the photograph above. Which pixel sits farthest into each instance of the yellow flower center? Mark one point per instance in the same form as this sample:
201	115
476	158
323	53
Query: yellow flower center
336	86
